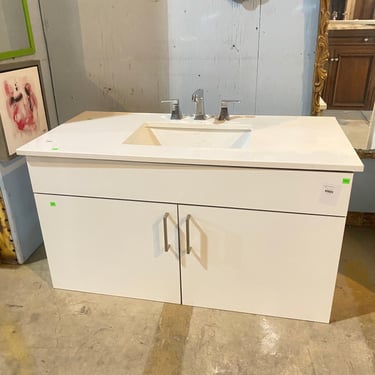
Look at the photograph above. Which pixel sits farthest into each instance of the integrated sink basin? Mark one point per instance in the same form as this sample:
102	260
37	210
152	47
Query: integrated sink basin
234	136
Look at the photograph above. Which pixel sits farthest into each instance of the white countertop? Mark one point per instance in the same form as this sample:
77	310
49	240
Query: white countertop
287	142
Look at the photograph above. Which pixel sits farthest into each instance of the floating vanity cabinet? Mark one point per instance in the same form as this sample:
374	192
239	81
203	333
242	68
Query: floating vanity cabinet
255	229
351	67
253	240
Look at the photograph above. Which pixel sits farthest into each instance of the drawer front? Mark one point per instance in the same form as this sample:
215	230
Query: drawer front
350	37
311	192
361	40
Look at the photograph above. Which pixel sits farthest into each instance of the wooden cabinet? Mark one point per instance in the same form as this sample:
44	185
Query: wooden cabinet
363	10
351	66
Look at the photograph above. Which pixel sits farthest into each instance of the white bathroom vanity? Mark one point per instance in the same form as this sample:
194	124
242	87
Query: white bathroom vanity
245	215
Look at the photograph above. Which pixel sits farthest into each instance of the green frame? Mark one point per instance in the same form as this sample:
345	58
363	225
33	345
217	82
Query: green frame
25	51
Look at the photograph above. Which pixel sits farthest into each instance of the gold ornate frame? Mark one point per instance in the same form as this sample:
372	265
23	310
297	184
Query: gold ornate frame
321	57
7	250
320	67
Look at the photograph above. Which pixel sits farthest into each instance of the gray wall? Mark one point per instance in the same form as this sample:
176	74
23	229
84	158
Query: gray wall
363	191
4	39
42	56
128	55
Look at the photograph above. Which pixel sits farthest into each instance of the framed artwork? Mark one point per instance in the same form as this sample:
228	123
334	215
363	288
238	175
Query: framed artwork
23	114
16	36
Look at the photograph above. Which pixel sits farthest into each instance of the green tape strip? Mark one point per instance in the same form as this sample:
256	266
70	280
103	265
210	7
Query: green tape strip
52	204
346	181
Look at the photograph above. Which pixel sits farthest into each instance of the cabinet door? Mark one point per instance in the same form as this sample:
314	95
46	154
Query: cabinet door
111	246
260	262
350	83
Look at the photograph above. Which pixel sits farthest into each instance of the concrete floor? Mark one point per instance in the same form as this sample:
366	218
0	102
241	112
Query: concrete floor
48	331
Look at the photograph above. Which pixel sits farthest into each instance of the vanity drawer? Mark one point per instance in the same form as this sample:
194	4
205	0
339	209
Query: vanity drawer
357	40
310	192
352	36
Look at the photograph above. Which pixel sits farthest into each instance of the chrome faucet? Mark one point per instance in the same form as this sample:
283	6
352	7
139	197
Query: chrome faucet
176	111
198	98
224	114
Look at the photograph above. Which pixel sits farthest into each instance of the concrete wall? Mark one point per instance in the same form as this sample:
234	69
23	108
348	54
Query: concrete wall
42	56
288	31
128	55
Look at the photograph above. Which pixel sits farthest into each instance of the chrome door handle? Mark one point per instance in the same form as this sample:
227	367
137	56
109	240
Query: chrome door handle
188	247
166	244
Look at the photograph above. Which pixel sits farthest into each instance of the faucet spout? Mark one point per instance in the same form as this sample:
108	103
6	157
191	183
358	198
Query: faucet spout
198	98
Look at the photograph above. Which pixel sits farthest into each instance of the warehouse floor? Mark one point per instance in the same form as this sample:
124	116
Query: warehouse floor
49	331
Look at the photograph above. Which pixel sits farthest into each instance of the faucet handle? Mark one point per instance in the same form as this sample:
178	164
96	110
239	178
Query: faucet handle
176	112
198	98
224	114
197	95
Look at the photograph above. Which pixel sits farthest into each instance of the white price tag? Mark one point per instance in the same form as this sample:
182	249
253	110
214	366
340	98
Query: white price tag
329	194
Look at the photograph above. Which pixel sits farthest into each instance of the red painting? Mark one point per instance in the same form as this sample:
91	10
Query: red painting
22	110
